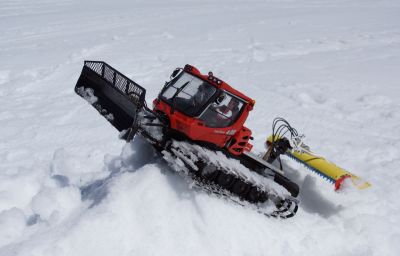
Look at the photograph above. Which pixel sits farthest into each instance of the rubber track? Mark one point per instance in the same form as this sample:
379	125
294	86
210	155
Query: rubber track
285	208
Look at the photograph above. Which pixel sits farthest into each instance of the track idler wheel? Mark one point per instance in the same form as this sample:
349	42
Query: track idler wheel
286	209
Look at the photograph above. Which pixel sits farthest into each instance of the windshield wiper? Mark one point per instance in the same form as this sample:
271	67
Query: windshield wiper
176	94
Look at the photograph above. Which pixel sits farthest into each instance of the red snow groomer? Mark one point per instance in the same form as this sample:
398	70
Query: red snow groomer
197	124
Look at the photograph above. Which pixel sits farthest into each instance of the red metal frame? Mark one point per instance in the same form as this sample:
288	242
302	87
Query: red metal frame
234	138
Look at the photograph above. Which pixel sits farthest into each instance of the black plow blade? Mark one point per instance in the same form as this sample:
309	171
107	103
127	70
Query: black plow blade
116	97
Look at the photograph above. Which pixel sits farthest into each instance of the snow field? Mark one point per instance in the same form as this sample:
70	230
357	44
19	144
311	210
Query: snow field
68	186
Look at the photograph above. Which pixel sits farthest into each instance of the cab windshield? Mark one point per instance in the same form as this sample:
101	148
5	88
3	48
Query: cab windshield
188	94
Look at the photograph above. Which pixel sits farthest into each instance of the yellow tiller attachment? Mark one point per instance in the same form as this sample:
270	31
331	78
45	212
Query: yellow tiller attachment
325	168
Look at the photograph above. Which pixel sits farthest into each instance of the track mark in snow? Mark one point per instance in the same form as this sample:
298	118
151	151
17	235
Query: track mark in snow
13	224
307	99
299	48
4	77
164	35
86	53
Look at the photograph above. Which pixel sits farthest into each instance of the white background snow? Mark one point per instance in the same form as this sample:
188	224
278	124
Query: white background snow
68	186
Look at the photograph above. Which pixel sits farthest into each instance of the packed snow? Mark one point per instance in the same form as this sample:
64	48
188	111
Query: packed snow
69	186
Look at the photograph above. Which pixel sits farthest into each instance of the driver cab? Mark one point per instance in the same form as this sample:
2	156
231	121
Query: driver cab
204	108
197	98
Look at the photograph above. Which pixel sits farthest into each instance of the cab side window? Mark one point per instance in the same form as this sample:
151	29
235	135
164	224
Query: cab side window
222	114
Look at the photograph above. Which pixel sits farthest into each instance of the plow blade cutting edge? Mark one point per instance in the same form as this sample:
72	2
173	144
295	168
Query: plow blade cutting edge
116	97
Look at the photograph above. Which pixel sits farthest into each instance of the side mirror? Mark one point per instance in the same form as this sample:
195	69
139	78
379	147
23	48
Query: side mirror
175	73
